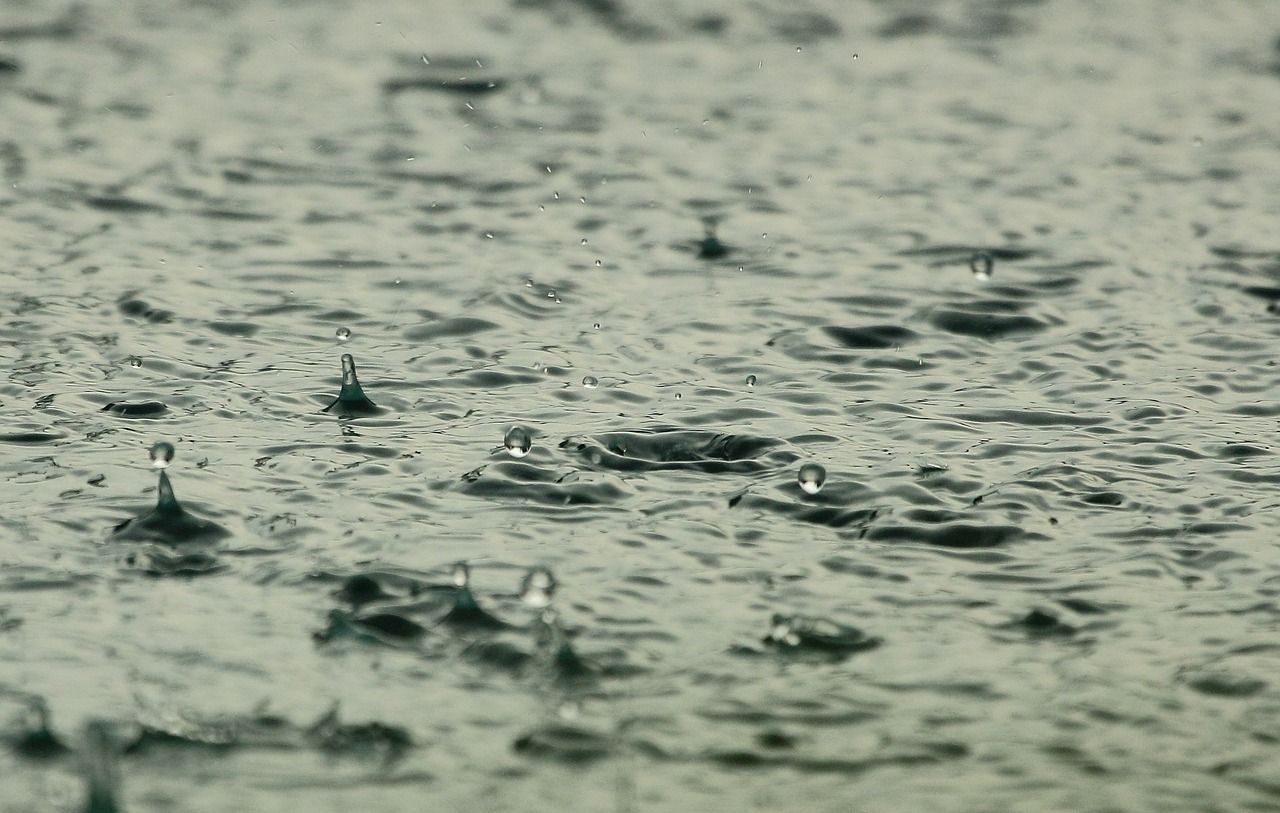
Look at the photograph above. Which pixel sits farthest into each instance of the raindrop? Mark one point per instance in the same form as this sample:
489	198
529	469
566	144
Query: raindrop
597	263
811	478
518	441
551	294
751	381
596	326
537	588
461	574
798	49
556	195
528	283
582	200
161	455
134	361
584	242
590	382
678	396
343	334
981	264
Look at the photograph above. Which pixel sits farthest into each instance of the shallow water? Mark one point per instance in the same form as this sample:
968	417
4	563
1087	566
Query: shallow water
1041	573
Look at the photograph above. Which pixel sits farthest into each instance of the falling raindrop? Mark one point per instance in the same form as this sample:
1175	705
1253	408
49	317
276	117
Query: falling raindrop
518	441
596	326
751	381
538	588
161	455
461	574
590	382
811	478
981	264
135	362
343	334
598	263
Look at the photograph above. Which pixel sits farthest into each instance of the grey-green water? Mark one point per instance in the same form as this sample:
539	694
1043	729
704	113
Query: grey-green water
1043	563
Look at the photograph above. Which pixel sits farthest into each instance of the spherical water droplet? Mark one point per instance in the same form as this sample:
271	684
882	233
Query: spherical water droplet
596	326
551	294
811	478
584	242
461	574
678	396
751	381
597	263
161	455
134	361
518	441
537	588
590	382
981	264
798	49
343	334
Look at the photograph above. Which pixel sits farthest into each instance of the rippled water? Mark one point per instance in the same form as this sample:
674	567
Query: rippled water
690	248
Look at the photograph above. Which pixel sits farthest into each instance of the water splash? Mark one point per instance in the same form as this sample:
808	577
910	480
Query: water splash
102	780
466	611
351	400
168	523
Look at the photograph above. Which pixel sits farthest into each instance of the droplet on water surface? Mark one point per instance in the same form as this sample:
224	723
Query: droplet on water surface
161	455
134	361
538	588
751	381
343	334
981	264
590	382
811	478
518	441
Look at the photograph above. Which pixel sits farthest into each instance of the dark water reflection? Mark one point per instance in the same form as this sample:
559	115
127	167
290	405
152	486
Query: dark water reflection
1041	572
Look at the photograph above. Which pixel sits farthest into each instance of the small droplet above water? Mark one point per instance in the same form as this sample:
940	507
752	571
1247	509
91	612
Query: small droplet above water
538	588
518	441
596	326
811	478
528	283
981	265
551	294
134	361
343	334
584	242
590	382
751	381
461	574
598	262
161	454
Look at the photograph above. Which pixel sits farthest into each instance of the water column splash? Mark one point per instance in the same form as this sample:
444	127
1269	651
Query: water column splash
101	776
351	400
537	591
168	522
466	611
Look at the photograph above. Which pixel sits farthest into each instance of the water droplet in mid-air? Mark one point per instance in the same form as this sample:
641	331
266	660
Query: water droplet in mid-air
518	441
134	361
161	454
590	382
598	263
537	588
551	294
584	242
596	326
461	574
751	381
981	264
343	334
811	478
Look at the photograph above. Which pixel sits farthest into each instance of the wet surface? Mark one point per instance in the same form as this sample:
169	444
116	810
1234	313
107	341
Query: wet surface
1007	272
